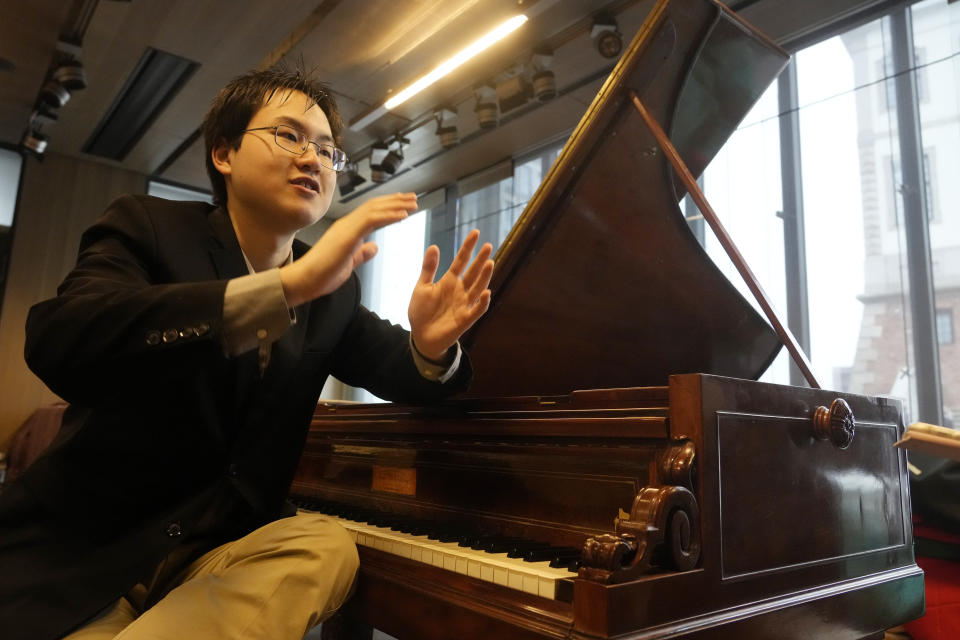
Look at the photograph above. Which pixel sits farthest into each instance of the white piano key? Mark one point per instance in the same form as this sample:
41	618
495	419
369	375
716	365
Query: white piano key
536	578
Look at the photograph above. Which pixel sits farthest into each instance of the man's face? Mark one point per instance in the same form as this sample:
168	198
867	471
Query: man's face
280	191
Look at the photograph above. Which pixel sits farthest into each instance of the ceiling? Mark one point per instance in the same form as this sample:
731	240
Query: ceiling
364	49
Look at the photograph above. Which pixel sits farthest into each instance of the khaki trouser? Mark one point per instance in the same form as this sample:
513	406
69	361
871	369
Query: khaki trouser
276	583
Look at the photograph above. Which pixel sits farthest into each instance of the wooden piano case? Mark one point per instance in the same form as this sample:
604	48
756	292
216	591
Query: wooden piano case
615	410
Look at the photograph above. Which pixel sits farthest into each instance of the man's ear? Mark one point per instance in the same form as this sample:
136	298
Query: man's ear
221	157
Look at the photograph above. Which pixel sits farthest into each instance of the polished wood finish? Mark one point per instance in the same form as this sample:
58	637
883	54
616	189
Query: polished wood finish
783	531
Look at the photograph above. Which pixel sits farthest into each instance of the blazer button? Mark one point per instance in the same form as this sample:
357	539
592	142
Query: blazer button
202	328
174	530
153	338
170	335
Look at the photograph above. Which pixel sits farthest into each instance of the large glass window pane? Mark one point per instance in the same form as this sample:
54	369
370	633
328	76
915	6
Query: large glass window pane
10	163
176	192
10	166
936	34
742	184
495	208
856	256
844	150
393	274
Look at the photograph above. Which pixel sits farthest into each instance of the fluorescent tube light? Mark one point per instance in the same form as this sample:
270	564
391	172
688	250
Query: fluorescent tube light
500	32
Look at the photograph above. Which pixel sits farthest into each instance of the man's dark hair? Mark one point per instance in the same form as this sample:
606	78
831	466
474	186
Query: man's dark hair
235	105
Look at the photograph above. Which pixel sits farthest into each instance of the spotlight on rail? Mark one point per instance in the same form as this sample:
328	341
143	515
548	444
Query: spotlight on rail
70	75
447	127
349	179
606	37
544	82
34	142
487	111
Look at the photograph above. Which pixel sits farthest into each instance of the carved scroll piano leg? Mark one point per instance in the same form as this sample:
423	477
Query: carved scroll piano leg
663	532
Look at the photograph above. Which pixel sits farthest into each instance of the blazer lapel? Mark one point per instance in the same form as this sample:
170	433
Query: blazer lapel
224	248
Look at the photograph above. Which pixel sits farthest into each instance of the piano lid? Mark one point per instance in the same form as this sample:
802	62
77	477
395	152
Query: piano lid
601	283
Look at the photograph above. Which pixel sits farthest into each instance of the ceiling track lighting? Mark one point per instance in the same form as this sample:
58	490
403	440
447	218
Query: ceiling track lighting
66	74
53	94
476	47
446	118
34	142
606	36
70	75
349	179
486	110
544	82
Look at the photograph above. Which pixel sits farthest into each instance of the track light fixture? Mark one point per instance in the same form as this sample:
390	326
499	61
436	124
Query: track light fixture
378	152
488	115
394	158
447	127
514	91
53	94
70	75
544	82
606	36
349	179
66	74
34	142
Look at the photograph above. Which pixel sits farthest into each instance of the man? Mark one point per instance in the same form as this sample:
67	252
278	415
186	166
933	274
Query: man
192	342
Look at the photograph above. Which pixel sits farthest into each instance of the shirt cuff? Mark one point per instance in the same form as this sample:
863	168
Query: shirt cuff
436	372
255	311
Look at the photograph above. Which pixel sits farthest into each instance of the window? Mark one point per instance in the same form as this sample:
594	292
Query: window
742	184
388	280
945	326
11	164
177	192
894	180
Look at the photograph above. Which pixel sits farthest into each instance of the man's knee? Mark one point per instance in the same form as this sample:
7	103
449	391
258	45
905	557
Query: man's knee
323	547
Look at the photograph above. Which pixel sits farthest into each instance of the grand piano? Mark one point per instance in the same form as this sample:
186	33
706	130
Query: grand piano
615	470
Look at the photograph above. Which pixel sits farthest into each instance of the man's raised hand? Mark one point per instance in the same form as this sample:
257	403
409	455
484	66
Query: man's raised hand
440	312
340	250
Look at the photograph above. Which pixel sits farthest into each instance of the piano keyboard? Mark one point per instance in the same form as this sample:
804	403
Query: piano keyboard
544	571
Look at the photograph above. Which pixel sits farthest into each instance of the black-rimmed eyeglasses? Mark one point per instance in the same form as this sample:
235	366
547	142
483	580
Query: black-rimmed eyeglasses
296	142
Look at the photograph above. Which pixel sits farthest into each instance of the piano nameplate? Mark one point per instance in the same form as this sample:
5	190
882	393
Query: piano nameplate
402	481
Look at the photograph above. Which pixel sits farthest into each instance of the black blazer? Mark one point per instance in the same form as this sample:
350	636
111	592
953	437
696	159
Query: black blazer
161	422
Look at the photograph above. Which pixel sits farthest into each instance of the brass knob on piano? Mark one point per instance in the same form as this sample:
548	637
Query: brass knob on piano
836	424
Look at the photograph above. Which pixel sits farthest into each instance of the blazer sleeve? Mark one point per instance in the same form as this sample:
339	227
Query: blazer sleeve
375	354
117	323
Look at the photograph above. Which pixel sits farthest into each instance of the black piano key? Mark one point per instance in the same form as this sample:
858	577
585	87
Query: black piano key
502	544
417	528
475	540
551	553
561	561
519	550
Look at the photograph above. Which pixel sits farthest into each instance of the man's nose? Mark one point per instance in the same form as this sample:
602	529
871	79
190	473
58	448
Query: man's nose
309	158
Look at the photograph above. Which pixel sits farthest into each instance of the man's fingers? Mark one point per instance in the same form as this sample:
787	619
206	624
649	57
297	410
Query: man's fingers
463	256
480	308
480	285
364	253
431	259
478	263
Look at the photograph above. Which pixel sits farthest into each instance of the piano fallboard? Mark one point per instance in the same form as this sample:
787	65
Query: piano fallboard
779	529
